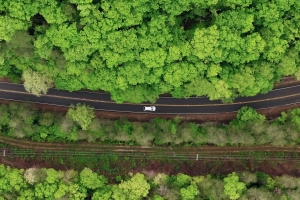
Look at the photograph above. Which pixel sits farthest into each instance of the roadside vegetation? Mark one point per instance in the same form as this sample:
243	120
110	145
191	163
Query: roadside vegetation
43	183
139	49
22	120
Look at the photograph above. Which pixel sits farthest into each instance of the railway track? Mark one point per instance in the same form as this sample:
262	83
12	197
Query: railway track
258	156
26	148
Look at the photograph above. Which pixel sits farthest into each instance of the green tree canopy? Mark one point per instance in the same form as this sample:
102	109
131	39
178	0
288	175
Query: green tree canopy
248	114
134	189
137	50
36	83
91	180
190	192
81	114
233	188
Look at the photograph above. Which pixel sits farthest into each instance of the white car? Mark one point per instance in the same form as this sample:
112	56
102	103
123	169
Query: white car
149	108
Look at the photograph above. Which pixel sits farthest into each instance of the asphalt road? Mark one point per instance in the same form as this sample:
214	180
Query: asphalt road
164	105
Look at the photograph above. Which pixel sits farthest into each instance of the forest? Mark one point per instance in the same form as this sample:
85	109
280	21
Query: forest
139	49
48	184
23	120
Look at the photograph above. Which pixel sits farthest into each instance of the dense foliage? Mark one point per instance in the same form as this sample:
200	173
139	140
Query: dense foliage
248	128
81	114
138	49
48	184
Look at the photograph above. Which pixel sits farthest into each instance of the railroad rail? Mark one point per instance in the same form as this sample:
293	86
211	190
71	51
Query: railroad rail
258	156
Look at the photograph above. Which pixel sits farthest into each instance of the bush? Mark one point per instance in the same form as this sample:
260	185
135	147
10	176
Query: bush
23	121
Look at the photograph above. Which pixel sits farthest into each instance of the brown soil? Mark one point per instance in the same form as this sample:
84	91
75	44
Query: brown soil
171	167
195	168
5	79
28	163
286	81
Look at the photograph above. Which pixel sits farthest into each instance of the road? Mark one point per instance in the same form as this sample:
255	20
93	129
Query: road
164	105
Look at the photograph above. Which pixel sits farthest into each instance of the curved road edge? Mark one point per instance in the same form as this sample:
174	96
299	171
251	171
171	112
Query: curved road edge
165	105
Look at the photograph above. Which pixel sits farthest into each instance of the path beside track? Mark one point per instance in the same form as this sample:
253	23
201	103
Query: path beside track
96	147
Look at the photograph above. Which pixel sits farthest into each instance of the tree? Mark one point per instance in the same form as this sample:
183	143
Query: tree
4	118
293	194
22	117
289	62
46	119
286	182
91	180
265	180
54	176
257	193
53	12
161	179
35	175
294	117
157	197
81	114
208	38
12	181
143	133
27	194
248	178
61	191
216	136
66	125
140	49
70	176
103	193
75	191
182	180
247	114
276	134
212	188
45	190
190	192
233	188
36	83
21	44
178	73
134	189
9	25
